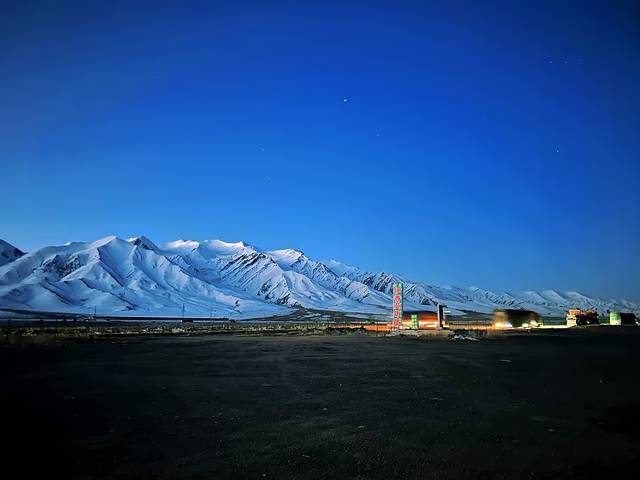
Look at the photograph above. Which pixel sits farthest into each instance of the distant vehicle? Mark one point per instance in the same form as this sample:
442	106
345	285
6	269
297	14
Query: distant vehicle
514	318
576	316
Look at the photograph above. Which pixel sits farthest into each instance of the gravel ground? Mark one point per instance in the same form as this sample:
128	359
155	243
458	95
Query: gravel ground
556	404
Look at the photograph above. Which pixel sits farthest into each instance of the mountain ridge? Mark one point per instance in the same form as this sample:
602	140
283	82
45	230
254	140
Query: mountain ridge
234	279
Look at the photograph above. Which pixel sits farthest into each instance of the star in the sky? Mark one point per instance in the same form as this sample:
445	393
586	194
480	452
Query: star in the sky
345	100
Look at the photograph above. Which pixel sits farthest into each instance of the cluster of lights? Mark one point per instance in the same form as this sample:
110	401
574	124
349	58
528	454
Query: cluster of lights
503	325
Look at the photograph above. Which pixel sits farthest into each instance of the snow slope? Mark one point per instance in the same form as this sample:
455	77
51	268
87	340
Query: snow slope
114	275
8	253
238	280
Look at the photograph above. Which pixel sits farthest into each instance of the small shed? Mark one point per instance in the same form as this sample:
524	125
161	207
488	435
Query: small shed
514	318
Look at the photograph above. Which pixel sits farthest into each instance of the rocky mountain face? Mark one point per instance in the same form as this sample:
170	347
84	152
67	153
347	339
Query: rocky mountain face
216	278
8	253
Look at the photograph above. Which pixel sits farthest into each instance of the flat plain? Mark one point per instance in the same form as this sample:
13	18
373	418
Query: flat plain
550	404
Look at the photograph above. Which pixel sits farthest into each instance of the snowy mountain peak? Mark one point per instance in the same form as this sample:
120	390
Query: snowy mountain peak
341	268
104	241
143	242
180	245
8	253
286	256
291	251
220	247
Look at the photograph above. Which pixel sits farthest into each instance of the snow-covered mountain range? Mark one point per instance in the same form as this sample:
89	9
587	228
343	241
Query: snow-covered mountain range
237	280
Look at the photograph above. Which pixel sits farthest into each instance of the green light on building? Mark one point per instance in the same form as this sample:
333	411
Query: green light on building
614	318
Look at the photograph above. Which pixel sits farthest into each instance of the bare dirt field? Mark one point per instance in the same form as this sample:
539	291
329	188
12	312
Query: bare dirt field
557	404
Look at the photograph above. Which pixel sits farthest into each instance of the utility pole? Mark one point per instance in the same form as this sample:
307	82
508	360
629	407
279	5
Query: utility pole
183	311
441	315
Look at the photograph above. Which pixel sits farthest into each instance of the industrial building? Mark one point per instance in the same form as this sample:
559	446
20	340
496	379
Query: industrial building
419	320
576	316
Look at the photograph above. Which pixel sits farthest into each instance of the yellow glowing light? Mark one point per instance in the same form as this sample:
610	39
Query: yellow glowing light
503	325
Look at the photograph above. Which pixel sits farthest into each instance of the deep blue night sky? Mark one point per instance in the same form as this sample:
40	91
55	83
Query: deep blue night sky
488	144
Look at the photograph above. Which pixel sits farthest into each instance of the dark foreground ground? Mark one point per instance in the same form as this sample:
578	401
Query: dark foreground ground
560	404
